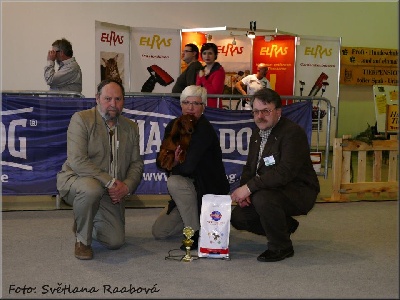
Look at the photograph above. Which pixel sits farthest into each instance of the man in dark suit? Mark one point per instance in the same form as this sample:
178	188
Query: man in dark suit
278	180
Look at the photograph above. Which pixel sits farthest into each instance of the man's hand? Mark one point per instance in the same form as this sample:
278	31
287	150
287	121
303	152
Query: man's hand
118	191
241	196
244	202
51	55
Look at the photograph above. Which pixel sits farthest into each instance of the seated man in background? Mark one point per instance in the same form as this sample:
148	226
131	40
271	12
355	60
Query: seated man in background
201	173
103	166
278	180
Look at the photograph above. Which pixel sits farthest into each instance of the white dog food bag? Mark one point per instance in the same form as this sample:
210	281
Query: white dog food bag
215	218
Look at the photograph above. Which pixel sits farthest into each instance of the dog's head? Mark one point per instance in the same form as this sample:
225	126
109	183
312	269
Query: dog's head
186	124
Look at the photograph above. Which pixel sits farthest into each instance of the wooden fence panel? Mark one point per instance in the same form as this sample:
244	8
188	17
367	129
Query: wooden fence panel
344	174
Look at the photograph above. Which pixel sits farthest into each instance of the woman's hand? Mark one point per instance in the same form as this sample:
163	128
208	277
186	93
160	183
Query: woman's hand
178	152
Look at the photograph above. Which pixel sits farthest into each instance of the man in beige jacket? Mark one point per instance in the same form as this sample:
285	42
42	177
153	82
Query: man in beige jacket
103	166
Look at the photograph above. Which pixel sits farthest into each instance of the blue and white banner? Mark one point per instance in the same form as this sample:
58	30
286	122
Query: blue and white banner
34	135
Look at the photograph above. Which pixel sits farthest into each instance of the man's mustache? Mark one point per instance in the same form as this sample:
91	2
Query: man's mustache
109	117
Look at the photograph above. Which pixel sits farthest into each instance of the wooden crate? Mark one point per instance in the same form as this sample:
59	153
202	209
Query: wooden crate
342	169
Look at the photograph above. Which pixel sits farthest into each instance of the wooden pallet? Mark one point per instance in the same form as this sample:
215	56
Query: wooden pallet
342	169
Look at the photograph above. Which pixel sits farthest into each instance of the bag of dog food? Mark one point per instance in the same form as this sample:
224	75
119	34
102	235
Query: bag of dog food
215	218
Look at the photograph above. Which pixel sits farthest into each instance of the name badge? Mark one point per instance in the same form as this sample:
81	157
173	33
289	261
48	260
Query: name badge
269	161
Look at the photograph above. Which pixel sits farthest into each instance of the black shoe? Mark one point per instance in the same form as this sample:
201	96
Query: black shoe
277	255
171	206
195	244
293	226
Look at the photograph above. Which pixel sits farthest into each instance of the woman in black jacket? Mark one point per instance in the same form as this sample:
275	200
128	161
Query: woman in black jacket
201	173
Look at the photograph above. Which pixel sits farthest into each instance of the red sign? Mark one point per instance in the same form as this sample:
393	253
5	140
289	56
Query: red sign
279	55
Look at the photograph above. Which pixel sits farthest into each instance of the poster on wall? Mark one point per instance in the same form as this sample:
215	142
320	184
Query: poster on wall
385	97
155	59
235	57
112	53
278	53
234	54
369	66
317	75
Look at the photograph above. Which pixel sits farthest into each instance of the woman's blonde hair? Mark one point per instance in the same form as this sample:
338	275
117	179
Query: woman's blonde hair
194	91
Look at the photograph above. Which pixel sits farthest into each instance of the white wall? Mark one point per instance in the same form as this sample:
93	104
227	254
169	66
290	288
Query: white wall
29	28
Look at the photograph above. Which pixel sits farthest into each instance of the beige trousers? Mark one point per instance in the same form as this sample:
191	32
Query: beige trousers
95	215
185	213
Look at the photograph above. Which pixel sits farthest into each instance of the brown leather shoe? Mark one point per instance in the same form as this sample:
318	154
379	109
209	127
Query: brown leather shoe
82	251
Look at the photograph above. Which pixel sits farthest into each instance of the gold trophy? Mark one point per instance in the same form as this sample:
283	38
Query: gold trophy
188	232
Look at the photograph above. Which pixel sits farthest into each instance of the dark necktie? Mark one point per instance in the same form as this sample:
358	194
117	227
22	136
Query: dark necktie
111	133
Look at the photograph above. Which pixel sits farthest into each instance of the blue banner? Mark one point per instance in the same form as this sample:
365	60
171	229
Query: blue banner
34	135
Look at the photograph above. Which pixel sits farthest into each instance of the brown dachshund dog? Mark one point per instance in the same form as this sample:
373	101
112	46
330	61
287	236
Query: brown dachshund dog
180	134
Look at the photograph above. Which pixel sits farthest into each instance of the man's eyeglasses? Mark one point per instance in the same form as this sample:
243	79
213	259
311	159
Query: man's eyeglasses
263	112
186	51
187	103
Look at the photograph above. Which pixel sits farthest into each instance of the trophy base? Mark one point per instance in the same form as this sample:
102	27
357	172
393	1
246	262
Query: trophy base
187	259
179	257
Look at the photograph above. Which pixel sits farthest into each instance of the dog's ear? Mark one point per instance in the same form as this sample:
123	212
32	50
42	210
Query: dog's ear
188	124
184	124
166	159
184	141
175	131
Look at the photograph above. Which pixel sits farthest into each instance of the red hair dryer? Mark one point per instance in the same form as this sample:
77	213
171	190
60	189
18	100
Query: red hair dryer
157	74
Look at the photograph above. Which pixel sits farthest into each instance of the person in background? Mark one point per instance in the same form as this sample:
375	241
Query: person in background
278	180
68	77
201	173
253	82
190	55
230	82
239	76
212	76
103	166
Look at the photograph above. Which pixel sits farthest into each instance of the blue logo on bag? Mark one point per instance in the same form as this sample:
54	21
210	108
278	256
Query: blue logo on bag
216	215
